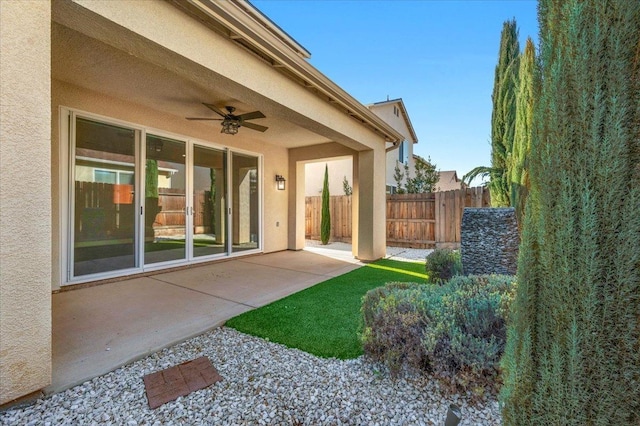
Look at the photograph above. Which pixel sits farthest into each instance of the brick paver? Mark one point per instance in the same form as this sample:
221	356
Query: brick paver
180	380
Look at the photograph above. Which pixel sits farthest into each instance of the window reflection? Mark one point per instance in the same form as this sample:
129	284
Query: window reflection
164	200
104	221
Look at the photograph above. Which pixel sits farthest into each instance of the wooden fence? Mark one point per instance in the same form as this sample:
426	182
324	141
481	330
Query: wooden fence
413	220
340	210
106	210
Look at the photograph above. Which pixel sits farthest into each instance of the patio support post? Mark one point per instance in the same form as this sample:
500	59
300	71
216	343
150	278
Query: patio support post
296	204
355	196
371	234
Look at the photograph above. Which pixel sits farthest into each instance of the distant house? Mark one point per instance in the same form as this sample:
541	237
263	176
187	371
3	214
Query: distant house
449	181
395	114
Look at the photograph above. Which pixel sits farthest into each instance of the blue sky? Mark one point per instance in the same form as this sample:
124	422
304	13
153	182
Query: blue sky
438	56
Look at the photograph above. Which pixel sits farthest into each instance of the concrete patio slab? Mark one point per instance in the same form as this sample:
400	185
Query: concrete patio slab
258	280
98	329
328	263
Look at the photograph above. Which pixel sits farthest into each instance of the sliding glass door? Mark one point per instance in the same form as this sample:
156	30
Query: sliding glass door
245	202
104	220
143	200
165	200
209	201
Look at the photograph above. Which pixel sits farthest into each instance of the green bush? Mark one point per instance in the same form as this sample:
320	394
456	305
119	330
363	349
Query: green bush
468	340
456	331
443	264
394	324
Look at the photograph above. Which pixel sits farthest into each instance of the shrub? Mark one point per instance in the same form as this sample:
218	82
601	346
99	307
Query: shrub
466	343
393	325
456	331
442	264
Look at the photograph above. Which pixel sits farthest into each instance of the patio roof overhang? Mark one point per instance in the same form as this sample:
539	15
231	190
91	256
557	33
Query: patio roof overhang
248	27
175	72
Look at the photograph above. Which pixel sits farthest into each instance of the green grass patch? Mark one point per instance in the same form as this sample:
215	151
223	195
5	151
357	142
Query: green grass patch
324	319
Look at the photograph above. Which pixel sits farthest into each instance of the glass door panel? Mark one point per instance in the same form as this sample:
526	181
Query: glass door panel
164	200
104	220
245	196
209	201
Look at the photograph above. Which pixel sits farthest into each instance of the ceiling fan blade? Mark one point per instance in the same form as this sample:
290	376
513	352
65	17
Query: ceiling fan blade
254	126
203	118
214	109
251	115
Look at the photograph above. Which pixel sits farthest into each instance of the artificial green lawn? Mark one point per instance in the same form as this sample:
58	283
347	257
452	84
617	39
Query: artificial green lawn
324	319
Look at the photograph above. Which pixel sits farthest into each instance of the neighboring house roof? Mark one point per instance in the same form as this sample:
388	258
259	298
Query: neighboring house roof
245	25
449	181
405	115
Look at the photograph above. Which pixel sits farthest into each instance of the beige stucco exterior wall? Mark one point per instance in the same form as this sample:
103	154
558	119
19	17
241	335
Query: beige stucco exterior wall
25	190
368	202
370	191
338	169
393	159
385	111
344	167
299	159
314	176
275	202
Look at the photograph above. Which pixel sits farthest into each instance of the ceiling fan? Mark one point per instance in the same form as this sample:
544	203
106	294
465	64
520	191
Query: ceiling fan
231	123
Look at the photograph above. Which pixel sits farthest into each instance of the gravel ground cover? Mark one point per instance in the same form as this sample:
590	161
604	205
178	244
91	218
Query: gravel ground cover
263	384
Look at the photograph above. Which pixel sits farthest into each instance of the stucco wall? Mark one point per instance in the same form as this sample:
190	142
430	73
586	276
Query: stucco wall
314	174
386	112
25	245
275	158
338	169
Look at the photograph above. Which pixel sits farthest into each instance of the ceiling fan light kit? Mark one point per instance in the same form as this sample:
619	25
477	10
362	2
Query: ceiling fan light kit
230	122
229	127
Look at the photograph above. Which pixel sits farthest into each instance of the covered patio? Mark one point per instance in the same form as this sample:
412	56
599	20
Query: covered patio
113	127
100	328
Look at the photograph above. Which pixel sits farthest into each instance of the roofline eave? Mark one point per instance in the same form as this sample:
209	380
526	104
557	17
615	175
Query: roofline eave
250	28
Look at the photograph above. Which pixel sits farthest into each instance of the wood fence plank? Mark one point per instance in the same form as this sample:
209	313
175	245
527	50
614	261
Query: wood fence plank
413	220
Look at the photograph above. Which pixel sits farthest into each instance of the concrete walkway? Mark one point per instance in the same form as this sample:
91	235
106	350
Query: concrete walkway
98	329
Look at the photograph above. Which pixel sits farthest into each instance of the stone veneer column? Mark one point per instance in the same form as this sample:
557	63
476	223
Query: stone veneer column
25	198
489	241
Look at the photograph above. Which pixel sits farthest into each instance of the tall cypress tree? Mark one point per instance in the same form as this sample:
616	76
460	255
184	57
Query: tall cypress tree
503	116
573	347
518	172
325	220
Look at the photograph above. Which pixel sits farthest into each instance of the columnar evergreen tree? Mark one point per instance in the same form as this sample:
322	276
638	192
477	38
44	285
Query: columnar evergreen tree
325	220
518	172
573	348
502	116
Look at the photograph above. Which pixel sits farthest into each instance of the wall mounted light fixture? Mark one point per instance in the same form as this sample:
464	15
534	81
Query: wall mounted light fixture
280	182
